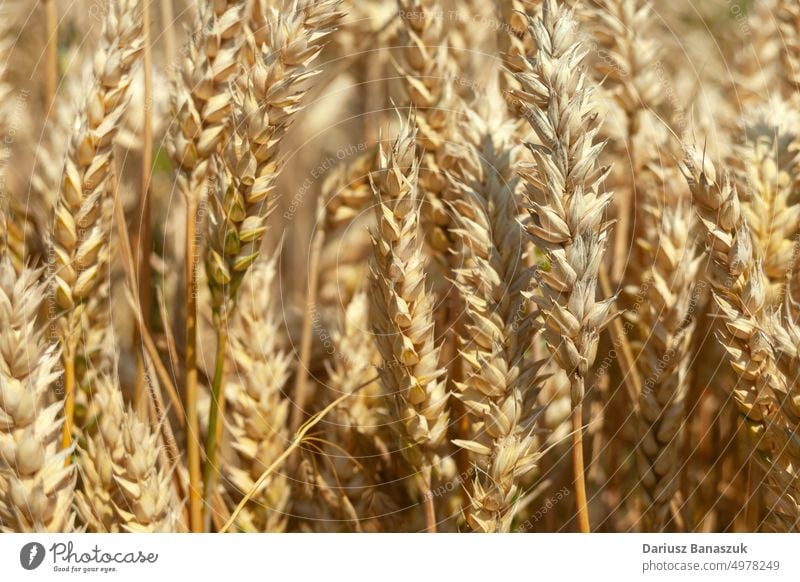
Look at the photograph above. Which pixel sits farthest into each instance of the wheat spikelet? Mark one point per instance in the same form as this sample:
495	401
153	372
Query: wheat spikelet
767	164
666	327
263	111
124	486
499	388
258	412
36	489
401	306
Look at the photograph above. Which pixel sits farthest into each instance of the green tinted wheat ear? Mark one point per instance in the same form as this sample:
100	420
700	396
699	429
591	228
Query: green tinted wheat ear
499	387
201	106
402	311
124	486
665	327
78	239
36	488
262	114
562	187
245	197
258	412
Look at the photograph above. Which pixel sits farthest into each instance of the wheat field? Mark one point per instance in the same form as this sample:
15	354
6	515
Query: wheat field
407	266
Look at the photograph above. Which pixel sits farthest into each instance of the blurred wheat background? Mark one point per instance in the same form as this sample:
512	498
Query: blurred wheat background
425	265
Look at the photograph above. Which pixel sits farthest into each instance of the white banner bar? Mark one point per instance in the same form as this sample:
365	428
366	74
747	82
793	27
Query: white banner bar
399	557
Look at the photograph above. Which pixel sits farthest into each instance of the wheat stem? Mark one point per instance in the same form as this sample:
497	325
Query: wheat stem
51	54
427	501
301	382
214	420
578	468
143	242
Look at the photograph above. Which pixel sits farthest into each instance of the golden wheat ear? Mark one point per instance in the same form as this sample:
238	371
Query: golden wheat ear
36	481
402	311
499	384
563	188
125	487
80	227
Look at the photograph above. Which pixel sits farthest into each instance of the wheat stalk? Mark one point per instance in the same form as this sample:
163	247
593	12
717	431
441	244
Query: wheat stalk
201	106
562	187
36	487
499	389
401	307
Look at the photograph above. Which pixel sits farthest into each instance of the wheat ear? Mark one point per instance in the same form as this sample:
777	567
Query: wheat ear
124	486
79	241
768	174
245	198
787	13
627	64
354	468
665	327
36	488
499	389
740	291
402	309
258	412
783	466
562	187
425	68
